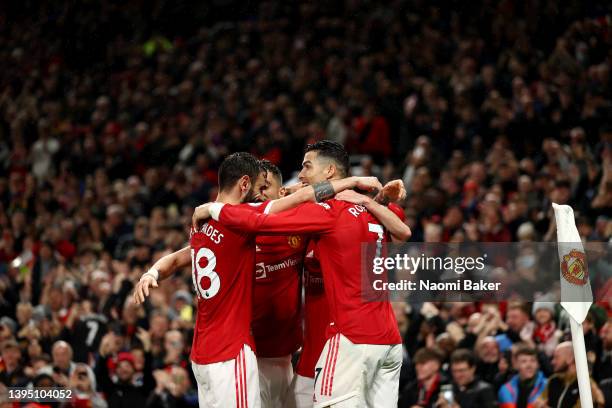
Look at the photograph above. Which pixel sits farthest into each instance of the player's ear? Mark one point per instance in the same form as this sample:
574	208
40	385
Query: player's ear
330	171
245	184
282	192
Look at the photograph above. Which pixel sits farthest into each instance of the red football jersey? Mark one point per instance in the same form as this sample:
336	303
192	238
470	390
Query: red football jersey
397	210
223	279
316	317
339	230
276	323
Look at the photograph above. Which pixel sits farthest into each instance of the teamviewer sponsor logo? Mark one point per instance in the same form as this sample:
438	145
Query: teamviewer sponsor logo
260	270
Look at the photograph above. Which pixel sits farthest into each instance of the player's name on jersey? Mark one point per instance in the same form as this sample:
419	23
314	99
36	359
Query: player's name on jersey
429	285
212	233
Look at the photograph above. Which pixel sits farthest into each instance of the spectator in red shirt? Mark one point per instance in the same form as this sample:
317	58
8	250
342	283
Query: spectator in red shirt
371	134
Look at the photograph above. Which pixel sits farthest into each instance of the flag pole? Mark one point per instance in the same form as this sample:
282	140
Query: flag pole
576	293
582	367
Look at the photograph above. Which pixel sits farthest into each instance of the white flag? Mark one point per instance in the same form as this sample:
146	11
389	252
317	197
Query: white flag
576	293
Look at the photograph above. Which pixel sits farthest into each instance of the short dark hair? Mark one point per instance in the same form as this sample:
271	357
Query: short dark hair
428	354
522	306
334	151
235	166
270	167
526	350
463	356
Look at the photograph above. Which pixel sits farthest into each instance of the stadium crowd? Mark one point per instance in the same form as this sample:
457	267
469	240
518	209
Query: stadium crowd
114	118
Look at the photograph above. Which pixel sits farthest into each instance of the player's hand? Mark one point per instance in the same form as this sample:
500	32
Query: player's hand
352	196
368	183
142	288
392	192
290	189
200	214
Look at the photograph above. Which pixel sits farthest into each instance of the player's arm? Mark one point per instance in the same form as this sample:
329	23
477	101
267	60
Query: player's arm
308	218
399	231
164	267
322	191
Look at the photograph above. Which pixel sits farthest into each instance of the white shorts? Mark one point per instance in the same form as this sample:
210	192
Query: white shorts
300	393
231	383
275	376
357	375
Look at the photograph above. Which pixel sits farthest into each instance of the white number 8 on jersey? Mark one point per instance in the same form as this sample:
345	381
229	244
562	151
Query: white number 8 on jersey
205	280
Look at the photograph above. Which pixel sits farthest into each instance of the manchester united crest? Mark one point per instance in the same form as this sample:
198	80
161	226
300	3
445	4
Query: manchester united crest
574	268
294	241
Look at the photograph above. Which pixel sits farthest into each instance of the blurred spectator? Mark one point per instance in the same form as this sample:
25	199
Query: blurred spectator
119	387
545	335
506	369
562	387
43	151
173	346
110	135
602	369
62	357
159	326
171	389
488	359
83	383
84	329
8	328
519	324
371	134
62	363
468	390
12	373
401	311
525	387
424	390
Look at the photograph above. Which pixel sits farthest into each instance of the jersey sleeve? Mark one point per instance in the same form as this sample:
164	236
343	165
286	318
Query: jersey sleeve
397	210
262	208
307	218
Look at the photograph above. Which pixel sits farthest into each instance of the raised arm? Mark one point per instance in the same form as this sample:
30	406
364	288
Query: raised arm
318	192
308	218
323	191
164	267
399	231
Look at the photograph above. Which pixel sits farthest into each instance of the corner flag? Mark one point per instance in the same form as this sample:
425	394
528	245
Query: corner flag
576	294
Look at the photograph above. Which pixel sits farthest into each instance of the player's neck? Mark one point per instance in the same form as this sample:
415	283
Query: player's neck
229	197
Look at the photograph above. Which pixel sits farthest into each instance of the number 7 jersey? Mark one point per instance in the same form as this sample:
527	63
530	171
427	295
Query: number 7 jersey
339	229
222	270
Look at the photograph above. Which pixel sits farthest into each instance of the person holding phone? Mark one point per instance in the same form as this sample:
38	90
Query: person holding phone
466	390
83	383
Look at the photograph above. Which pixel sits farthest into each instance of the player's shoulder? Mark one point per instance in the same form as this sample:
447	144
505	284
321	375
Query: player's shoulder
214	232
345	208
327	205
262	207
334	204
255	206
323	207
